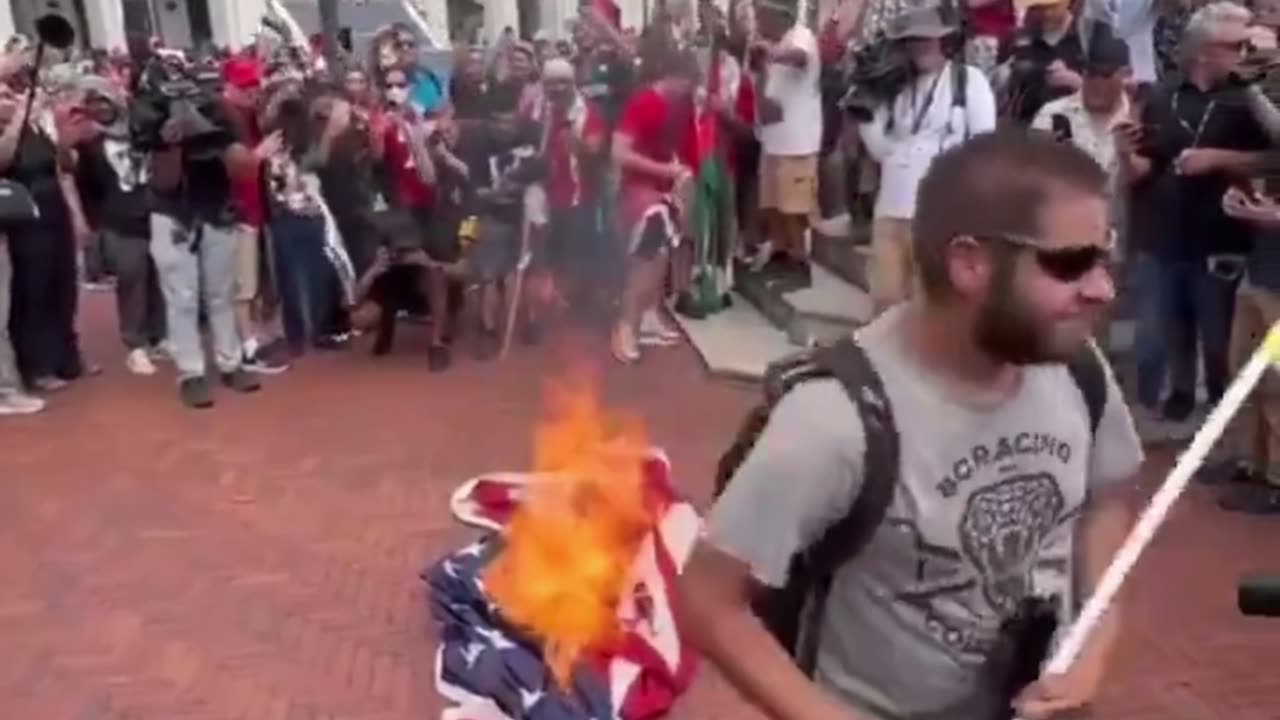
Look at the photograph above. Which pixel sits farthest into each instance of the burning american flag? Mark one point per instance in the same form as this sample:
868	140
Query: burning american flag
564	612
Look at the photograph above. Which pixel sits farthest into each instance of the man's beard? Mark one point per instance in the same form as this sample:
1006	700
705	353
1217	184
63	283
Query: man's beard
1007	332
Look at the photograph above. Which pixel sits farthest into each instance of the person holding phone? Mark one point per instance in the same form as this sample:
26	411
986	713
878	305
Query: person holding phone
1097	119
1249	464
1199	137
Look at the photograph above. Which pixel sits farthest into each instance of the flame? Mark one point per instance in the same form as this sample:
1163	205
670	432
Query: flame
571	544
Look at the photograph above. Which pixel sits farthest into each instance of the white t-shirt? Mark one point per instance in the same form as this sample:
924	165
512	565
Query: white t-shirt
796	90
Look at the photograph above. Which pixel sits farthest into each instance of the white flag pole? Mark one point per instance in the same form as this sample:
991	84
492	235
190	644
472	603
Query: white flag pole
1157	510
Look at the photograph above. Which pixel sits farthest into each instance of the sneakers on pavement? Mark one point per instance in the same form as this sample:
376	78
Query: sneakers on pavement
138	361
16	402
241	380
265	360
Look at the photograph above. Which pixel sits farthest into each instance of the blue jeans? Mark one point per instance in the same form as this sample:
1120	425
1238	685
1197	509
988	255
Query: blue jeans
1181	307
304	277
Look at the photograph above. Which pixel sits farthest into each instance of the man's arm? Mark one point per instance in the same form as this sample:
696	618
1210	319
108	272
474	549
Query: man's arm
800	477
715	591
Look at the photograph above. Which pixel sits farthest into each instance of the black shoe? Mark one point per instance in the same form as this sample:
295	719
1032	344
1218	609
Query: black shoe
196	393
241	380
1251	499
439	358
331	342
267	360
1179	407
1231	472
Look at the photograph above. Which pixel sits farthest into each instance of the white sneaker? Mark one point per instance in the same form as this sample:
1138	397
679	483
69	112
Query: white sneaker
139	362
162	352
655	332
16	402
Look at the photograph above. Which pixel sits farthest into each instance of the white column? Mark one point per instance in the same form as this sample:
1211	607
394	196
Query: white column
499	15
435	14
556	15
235	22
106	23
7	26
633	12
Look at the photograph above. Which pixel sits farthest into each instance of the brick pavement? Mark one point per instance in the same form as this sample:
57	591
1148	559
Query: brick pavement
260	560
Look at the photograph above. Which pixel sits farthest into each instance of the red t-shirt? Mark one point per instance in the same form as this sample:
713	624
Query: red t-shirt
246	190
565	185
659	129
411	191
994	20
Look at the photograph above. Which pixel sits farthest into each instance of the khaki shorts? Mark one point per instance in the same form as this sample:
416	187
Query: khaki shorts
891	276
789	184
247	262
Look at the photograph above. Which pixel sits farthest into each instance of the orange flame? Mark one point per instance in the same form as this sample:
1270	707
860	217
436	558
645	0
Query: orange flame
569	547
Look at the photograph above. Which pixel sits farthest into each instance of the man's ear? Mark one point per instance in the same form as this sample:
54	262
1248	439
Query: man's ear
968	265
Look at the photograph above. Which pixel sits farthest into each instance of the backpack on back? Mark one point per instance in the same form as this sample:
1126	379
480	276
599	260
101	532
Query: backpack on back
792	613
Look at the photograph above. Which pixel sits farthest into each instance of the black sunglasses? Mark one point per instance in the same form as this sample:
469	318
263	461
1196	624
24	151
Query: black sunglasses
1065	264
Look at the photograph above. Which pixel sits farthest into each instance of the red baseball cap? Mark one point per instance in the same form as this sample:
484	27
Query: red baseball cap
243	73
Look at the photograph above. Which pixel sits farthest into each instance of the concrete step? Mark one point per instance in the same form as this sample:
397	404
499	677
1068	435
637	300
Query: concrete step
737	343
831	307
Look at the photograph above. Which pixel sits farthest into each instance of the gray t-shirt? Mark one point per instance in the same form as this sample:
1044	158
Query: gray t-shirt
986	491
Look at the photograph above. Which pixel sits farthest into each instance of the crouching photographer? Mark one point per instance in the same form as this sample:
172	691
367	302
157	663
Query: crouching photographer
177	117
939	103
396	280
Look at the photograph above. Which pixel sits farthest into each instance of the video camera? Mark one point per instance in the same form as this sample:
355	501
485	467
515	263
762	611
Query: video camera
880	72
1259	596
170	88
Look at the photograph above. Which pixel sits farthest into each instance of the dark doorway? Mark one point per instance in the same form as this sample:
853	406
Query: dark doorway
201	24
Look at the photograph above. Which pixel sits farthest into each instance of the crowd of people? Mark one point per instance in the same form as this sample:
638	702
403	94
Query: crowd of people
1004	154
297	206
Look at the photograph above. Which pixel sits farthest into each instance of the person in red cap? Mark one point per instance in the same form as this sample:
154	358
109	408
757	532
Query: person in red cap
200	156
241	96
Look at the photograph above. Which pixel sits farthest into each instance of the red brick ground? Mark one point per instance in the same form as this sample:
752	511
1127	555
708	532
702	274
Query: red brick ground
260	560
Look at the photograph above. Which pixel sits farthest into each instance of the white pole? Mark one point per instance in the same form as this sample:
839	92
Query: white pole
1158	509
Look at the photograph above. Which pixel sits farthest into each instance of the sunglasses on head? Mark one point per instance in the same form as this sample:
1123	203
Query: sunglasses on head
1064	264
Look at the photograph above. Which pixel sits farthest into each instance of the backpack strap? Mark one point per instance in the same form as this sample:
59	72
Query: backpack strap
847	362
1090	376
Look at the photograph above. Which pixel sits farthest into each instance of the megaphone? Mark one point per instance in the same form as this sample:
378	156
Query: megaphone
55	31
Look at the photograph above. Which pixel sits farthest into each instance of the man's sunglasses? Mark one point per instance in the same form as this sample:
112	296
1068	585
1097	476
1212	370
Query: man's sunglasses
1064	264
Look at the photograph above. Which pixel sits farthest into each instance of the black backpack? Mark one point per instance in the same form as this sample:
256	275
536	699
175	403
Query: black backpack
792	613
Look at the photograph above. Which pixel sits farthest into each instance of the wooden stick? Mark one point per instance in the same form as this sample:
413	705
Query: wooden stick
516	294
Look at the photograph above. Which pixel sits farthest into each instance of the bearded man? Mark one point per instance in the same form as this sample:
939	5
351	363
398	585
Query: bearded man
1004	443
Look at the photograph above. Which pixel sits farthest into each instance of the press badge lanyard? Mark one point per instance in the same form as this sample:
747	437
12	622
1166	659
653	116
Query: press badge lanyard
1198	130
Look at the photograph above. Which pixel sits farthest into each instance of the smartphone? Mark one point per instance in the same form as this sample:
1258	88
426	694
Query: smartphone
1061	128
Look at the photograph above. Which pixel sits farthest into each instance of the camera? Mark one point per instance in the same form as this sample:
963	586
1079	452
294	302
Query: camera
880	72
1259	596
190	94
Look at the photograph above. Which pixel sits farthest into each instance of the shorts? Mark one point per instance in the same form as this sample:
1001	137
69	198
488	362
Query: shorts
789	184
248	255
495	251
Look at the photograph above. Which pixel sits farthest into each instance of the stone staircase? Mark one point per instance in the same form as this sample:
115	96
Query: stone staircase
767	323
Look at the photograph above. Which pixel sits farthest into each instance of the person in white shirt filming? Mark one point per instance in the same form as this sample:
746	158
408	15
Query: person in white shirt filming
944	103
790	132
